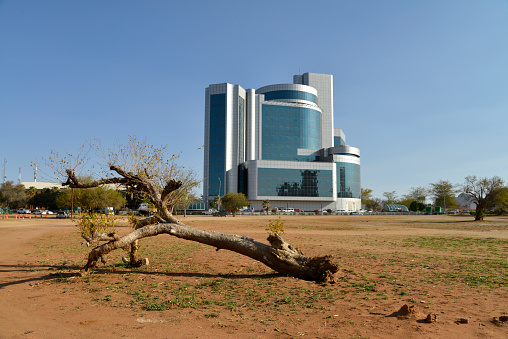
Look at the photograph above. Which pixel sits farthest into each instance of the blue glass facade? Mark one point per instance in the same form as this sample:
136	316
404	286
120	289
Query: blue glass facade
241	130
348	180
290	94
253	138
287	128
285	182
217	145
337	141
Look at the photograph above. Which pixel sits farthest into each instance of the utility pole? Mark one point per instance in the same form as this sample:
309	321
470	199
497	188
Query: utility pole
35	171
3	172
220	184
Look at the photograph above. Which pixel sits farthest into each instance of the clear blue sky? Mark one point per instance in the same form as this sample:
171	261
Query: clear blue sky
421	87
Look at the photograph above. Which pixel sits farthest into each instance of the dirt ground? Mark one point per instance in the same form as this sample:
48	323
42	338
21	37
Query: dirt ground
401	277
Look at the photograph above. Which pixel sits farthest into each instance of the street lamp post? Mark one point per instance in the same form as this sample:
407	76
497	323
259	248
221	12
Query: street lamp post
220	186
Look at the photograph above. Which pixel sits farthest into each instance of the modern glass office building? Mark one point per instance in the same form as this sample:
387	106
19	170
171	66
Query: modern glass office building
278	143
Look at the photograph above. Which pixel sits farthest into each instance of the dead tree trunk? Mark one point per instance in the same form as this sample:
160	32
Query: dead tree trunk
280	256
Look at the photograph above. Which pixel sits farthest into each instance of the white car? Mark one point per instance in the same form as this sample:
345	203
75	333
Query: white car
24	211
40	212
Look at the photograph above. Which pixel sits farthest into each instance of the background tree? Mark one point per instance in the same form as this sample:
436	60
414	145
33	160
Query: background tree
31	191
406	200
481	192
91	198
375	204
215	203
12	195
45	199
366	196
443	194
416	197
499	200
234	201
266	205
418	194
187	199
148	170
390	197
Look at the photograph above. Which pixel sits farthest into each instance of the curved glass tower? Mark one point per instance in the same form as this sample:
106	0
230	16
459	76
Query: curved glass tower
291	120
278	143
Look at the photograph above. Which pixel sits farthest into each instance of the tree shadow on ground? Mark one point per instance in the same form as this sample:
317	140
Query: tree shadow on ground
437	222
62	272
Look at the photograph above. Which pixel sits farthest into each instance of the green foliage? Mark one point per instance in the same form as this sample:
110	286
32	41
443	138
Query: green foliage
443	193
90	199
419	194
31	190
90	223
276	227
390	197
12	195
405	200
215	203
499	200
416	206
46	198
366	196
266	205
234	201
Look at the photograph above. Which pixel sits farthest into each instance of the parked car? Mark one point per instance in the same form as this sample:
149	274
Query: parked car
356	213
246	210
62	215
48	212
298	210
220	213
40	212
24	211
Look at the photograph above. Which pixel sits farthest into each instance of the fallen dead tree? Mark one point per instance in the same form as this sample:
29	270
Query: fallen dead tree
162	182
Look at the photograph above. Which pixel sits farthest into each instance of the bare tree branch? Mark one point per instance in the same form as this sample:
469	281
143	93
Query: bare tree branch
72	181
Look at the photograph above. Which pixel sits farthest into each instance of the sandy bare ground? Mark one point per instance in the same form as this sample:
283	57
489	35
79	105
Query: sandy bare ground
449	267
